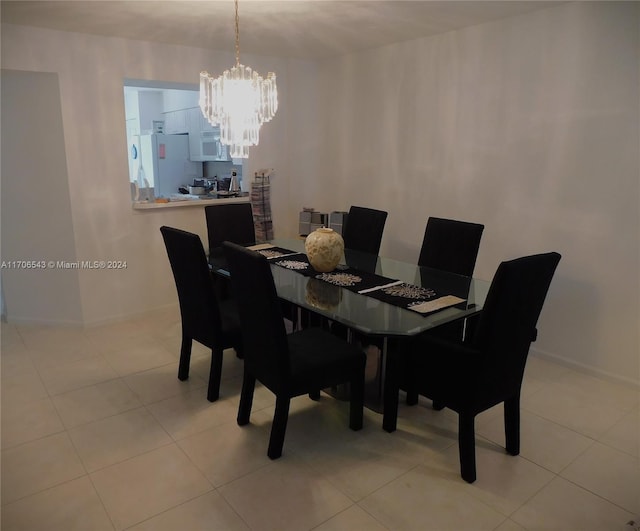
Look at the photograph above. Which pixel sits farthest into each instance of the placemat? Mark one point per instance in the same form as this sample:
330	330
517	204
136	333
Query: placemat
414	298
343	276
276	252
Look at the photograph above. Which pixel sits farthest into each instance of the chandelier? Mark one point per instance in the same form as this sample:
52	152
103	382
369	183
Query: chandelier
239	101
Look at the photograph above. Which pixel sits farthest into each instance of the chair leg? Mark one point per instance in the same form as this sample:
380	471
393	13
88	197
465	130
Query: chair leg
279	427
356	402
246	398
467	446
512	425
412	397
185	358
315	394
215	373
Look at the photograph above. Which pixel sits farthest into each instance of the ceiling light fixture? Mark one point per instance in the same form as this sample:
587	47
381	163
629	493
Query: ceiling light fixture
239	101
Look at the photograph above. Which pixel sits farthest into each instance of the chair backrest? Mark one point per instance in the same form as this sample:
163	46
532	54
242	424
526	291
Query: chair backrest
264	337
199	308
232	222
363	229
451	245
507	324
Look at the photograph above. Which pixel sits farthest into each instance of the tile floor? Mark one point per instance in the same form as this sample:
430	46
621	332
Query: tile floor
98	434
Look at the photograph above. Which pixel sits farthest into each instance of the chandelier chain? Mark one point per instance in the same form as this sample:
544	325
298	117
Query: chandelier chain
237	35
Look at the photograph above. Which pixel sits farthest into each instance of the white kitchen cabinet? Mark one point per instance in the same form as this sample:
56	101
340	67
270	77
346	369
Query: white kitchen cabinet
176	122
197	121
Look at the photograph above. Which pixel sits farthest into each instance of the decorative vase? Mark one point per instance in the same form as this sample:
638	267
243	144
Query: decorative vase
324	249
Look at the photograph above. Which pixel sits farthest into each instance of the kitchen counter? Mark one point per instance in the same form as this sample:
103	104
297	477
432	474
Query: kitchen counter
145	205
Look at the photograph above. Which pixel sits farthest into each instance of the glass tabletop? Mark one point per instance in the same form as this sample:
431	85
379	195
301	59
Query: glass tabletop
364	313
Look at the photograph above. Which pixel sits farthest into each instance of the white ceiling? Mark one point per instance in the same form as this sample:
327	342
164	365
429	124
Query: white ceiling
309	29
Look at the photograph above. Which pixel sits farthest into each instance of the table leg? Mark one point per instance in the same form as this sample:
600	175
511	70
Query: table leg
392	366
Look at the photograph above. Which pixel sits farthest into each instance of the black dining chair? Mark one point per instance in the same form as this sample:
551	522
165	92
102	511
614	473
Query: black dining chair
231	222
228	222
487	369
449	245
213	323
288	365
363	229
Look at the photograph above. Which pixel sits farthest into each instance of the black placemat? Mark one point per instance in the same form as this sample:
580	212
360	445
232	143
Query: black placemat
389	290
273	253
343	276
414	297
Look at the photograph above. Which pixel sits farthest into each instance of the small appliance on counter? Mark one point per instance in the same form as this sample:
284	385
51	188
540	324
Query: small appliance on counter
229	186
337	221
310	220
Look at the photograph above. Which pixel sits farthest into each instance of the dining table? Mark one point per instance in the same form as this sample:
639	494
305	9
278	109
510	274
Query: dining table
382	313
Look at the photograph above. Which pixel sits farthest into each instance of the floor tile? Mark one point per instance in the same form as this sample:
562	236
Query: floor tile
21	384
138	357
510	525
285	495
542	441
355	469
71	506
428	500
564	506
45	337
37	465
114	439
15	357
9	336
354	518
609	473
98	433
22	422
70	376
607	393
504	482
204	513
116	336
578	411
192	413
95	402
162	382
142	487
625	434
228	451
543	369
57	353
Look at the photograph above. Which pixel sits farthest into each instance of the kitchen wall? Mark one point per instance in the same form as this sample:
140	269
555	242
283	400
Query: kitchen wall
528	125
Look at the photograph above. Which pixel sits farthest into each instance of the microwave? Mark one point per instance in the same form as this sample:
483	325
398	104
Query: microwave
206	146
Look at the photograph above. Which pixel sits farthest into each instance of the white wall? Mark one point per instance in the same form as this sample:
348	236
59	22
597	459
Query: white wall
528	125
91	72
37	225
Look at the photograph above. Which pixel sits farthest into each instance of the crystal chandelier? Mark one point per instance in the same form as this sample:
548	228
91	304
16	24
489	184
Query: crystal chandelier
239	101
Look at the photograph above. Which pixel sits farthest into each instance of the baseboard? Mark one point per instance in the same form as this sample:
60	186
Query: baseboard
587	369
